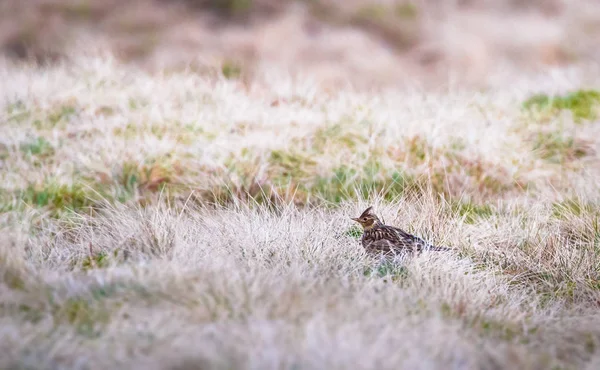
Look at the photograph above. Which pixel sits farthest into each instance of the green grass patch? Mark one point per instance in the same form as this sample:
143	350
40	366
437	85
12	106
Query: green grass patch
38	147
471	212
17	112
348	183
99	260
133	180
62	113
291	177
296	174
13	275
555	147
406	10
397	273
402	11
291	166
227	10
397	25
354	232
583	104
373	11
129	131
23	311
503	330
573	207
86	315
89	312
447	170
6	200
57	198
4	152
579	224
252	192
231	69
106	111
77	9
335	136
137	182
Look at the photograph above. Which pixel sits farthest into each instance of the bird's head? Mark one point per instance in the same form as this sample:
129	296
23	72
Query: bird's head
367	219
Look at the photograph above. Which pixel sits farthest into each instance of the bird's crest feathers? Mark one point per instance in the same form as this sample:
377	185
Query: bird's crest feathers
367	212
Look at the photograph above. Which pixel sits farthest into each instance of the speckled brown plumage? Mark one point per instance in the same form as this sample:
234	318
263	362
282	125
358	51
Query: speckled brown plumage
389	240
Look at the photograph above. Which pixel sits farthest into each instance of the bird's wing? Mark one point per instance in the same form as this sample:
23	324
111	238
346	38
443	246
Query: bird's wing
380	240
408	240
387	240
381	246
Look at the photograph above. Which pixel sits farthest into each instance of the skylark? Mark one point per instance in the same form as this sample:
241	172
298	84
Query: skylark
389	240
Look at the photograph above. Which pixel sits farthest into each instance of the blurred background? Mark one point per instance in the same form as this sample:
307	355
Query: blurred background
364	42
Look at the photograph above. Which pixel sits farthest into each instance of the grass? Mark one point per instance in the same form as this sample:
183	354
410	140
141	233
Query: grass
556	147
396	25
583	104
231	7
573	206
347	183
471	212
231	69
226	239
38	147
53	196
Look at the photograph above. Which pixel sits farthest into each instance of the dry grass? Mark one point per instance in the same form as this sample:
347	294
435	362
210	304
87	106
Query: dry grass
178	221
381	42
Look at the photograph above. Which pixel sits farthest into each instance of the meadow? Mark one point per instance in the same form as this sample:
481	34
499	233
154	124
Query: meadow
178	220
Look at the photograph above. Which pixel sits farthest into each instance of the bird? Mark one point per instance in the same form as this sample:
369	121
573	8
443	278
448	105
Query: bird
378	238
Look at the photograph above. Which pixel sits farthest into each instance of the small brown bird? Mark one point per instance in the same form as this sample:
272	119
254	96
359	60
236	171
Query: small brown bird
388	240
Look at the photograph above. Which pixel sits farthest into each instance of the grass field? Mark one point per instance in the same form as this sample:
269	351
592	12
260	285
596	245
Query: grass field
181	221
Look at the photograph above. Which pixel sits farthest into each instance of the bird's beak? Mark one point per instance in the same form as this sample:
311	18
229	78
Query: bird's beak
354	219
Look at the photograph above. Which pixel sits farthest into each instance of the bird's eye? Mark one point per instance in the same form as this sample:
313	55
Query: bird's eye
364	219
